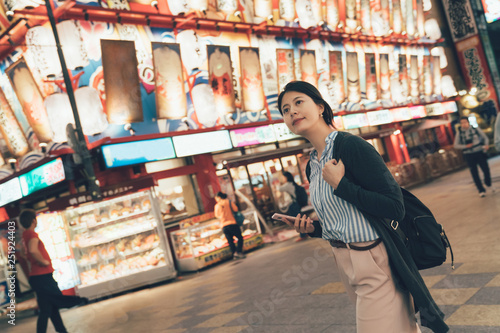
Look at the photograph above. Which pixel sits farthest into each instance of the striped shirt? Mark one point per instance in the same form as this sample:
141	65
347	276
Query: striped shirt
339	219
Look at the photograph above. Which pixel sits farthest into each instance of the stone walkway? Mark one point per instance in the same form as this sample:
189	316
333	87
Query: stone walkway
294	287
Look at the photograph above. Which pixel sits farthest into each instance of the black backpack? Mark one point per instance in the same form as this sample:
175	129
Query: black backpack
301	196
424	238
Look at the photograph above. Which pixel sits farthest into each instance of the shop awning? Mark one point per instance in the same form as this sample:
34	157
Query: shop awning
259	157
426	124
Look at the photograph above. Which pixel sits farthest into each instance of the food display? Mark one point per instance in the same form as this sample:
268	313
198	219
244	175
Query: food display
116	238
200	242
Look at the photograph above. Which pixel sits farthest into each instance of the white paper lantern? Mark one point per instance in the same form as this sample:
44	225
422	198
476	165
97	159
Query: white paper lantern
204	105
12	5
60	114
90	109
198	4
178	6
40	41
75	53
432	29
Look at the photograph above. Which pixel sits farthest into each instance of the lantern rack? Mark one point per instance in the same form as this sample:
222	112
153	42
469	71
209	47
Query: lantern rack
197	21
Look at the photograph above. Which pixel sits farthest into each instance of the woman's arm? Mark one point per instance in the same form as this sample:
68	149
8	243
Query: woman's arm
369	185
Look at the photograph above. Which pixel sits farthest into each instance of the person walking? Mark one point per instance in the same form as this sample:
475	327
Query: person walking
474	144
224	212
48	295
288	201
352	195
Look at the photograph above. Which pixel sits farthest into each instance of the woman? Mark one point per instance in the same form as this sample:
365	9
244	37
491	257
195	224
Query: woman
224	212
351	196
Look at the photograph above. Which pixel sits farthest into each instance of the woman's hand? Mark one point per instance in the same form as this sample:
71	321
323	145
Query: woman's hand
303	224
333	172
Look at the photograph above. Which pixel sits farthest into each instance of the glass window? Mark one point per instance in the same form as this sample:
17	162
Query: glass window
178	197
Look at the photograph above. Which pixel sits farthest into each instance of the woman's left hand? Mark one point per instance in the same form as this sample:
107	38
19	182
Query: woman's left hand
333	172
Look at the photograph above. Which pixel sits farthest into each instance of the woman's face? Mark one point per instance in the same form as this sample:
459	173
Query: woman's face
300	112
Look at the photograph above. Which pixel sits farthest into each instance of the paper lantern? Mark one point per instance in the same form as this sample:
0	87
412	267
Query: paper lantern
353	88
263	8
75	53
227	6
332	13
60	114
10	129
178	6
432	29
198	4
118	4
41	43
204	105
12	5
252	89
287	10
221	78
91	111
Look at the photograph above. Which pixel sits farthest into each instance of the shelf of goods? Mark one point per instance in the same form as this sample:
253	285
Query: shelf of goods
119	244
202	243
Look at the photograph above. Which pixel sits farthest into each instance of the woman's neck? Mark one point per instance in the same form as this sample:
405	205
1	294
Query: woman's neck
318	136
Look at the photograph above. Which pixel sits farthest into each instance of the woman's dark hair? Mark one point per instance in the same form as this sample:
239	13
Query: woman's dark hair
289	177
311	91
27	217
221	195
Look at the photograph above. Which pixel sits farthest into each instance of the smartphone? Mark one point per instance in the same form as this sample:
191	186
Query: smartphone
283	218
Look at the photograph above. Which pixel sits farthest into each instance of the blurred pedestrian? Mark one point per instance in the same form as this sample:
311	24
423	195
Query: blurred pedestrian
352	195
288	200
224	212
474	145
48	295
497	134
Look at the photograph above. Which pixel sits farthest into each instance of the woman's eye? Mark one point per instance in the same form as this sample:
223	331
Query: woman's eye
285	111
298	102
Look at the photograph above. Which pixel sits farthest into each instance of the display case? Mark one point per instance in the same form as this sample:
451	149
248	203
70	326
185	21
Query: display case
200	242
119	244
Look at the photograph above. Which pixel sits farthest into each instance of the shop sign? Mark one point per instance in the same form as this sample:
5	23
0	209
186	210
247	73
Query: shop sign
401	114
10	191
379	117
129	153
417	112
491	10
434	109
42	177
252	136
449	107
283	133
460	19
107	192
352	121
201	143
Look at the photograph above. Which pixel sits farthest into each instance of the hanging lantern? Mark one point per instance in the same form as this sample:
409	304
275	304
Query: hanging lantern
198	4
263	8
432	29
11	130
41	43
11	5
287	10
91	111
72	44
227	6
118	4
60	114
30	98
178	6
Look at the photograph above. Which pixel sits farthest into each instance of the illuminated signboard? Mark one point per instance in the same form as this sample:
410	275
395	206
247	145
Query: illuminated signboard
379	117
401	114
352	121
417	112
128	153
10	191
491	10
449	107
42	177
434	109
283	133
200	143
252	136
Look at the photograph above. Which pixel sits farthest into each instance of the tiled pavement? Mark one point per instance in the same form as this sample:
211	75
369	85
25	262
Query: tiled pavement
294	287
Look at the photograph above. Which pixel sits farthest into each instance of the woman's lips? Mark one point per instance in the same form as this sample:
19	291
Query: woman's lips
297	120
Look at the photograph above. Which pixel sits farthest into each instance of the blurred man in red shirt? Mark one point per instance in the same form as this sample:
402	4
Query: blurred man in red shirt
48	294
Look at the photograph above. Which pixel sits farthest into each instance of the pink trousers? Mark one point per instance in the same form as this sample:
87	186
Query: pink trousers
380	307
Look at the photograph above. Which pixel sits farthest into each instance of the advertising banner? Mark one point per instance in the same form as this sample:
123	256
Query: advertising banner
460	19
308	70
353	87
221	78
286	67
337	76
252	89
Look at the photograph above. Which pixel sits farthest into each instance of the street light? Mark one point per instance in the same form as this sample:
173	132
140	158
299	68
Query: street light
80	146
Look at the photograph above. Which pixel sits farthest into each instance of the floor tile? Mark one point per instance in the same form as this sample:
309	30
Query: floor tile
220	320
465	281
220	308
222	298
229	329
478	267
495	282
330	288
431	280
452	296
486	296
476	315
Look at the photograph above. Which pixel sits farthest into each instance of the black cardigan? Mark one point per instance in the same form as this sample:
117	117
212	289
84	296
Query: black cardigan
369	185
